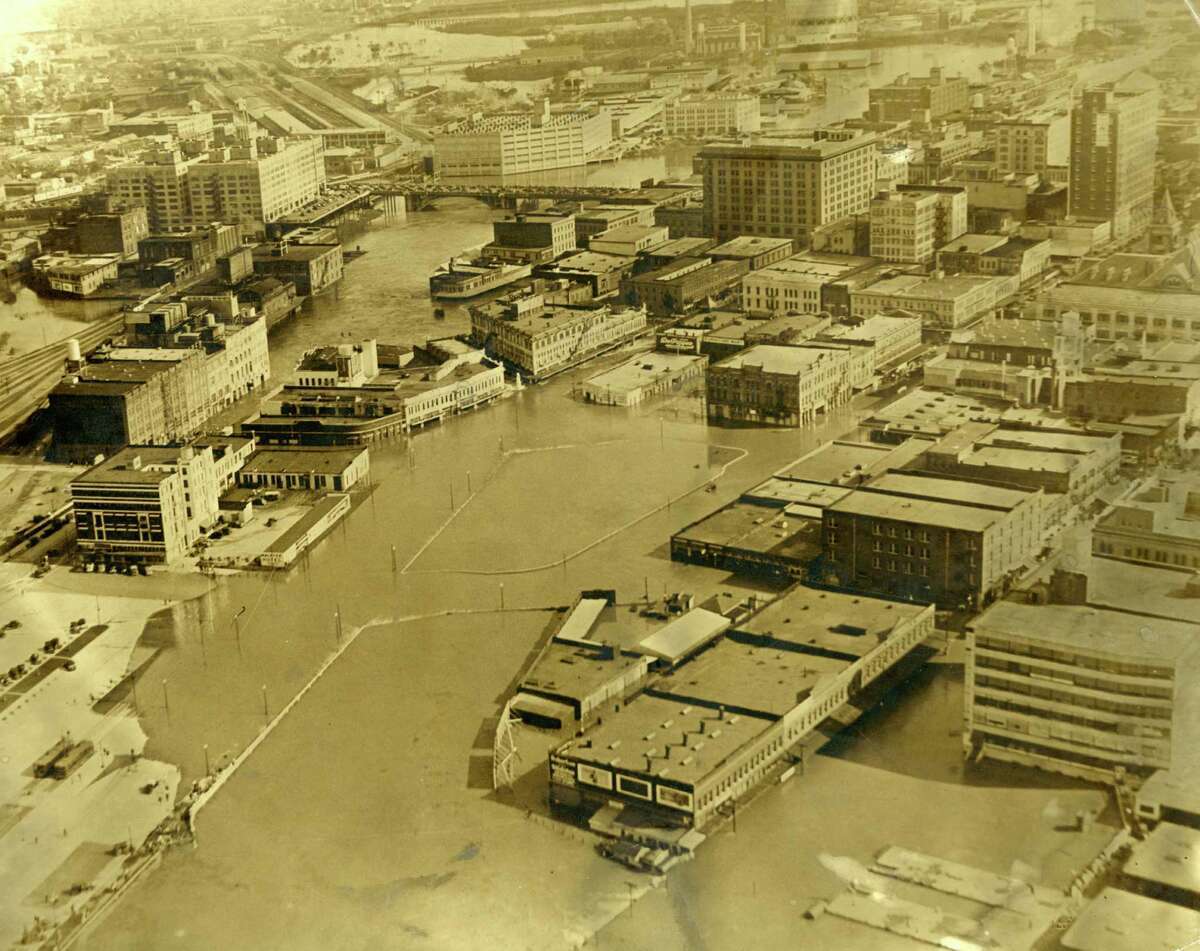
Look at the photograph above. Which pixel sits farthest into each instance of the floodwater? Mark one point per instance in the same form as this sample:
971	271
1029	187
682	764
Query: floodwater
30	321
366	818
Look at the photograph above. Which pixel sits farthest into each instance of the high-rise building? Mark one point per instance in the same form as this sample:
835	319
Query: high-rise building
1029	144
253	184
786	187
1113	142
159	182
903	226
950	218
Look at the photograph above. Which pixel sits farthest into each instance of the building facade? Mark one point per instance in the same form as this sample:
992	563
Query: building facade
782	386
698	117
1075	690
510	144
903	226
788	187
1113	143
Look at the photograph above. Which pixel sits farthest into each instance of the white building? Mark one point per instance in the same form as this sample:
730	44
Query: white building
703	116
889	336
903	226
511	143
258	183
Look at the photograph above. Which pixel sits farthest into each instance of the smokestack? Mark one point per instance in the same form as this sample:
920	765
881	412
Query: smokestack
687	27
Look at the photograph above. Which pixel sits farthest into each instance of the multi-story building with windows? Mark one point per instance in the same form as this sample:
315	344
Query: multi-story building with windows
903	226
1030	144
260	182
787	187
1113	143
945	303
955	545
1160	525
950	218
1074	689
531	238
538	340
935	94
158	182
991	254
697	117
782	386
145	504
512	143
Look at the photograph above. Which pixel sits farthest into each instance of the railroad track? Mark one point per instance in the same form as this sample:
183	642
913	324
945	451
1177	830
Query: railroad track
26	380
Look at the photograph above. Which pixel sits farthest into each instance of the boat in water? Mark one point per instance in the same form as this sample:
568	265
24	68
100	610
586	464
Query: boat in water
458	281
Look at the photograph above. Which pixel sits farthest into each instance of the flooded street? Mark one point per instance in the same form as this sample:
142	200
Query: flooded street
549	496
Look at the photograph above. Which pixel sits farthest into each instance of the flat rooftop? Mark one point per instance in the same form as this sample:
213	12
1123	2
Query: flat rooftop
413	383
808	267
514	122
816	495
325	461
576	671
758	528
128	466
1114	633
843	461
1155	590
1169	855
950	490
929	512
1034	334
667	738
748	246
849	624
1117	920
790	361
683	247
642	370
760	681
593	262
796	147
627	233
970	243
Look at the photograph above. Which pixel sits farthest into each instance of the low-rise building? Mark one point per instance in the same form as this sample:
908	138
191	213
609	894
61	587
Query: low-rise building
721	720
539	340
757	251
603	273
1078	690
306	469
1158	525
310	267
679	286
995	254
628	239
531	238
891	338
74	275
645	376
1069	465
797	284
782	386
945	303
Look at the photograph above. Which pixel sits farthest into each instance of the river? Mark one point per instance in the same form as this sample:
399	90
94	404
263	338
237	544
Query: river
367	819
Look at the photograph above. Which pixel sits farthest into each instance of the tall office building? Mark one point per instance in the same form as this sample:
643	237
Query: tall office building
1113	142
159	182
257	183
903	225
787	187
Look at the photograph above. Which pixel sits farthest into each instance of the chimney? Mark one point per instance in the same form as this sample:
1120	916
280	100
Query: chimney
1068	587
687	27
